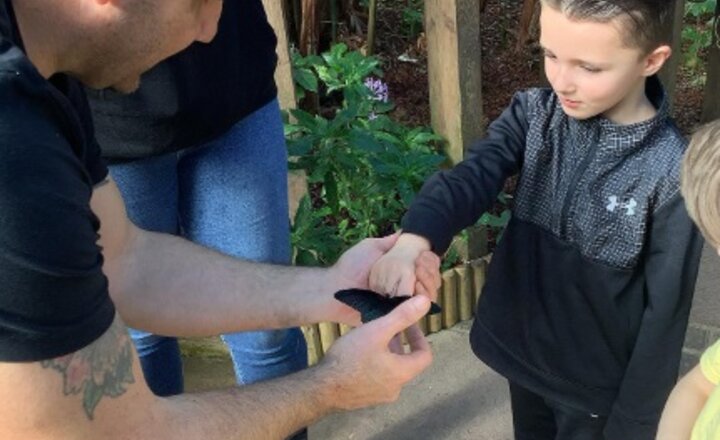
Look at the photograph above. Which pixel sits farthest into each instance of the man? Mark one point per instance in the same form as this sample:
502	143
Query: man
67	368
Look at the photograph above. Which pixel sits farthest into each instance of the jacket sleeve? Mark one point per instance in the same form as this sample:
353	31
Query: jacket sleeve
454	199
671	267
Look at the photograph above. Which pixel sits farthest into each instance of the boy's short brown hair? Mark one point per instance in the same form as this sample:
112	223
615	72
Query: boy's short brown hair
701	181
645	21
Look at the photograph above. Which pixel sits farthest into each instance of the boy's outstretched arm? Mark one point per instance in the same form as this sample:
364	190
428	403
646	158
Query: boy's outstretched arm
684	406
671	264
454	199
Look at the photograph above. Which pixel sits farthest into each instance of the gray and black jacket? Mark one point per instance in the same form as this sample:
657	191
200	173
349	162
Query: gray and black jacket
588	294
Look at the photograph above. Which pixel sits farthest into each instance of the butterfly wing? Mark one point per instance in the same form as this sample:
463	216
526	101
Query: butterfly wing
372	305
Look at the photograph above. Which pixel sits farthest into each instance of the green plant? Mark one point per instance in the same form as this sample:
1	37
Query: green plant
412	18
697	33
497	223
363	168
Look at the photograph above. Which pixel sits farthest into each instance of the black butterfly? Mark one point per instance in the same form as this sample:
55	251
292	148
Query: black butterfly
373	305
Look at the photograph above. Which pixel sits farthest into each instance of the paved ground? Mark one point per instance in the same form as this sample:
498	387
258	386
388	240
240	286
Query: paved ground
459	398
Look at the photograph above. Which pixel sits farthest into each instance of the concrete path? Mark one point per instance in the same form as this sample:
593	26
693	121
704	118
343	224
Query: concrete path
458	397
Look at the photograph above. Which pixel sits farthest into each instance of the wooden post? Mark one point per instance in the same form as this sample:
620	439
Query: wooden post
344	329
711	107
452	28
669	73
464	293
329	333
423	324
478	273
450	299
434	322
275	11
314	345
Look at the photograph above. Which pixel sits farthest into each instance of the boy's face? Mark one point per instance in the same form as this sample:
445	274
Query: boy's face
141	33
588	66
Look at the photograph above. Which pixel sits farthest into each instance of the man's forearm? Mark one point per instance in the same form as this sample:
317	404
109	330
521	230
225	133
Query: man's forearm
269	410
171	286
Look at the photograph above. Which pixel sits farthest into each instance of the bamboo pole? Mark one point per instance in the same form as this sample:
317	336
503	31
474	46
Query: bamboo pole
423	324
329	333
434	322
314	345
344	329
479	268
449	294
465	292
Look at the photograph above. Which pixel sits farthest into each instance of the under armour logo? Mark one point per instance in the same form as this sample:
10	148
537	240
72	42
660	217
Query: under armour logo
615	203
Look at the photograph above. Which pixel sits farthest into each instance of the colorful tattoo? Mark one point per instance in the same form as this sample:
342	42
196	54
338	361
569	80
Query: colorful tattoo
104	368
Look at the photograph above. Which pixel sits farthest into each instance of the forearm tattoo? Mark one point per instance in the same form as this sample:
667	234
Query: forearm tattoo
104	368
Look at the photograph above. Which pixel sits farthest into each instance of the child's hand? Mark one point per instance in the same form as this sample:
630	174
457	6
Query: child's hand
408	268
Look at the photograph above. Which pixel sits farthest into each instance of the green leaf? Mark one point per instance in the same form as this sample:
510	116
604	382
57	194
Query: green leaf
305	119
306	78
364	141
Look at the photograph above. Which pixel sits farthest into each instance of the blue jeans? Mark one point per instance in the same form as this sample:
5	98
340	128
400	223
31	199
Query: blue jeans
229	195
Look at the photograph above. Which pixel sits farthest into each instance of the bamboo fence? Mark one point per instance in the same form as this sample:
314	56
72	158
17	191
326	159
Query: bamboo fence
458	297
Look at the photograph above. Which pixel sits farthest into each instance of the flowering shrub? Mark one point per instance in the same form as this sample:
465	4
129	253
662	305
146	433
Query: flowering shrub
363	168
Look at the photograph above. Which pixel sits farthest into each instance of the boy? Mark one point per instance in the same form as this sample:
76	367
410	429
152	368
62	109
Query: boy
694	405
587	299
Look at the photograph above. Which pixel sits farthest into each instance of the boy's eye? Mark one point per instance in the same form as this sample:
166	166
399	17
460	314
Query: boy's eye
549	55
590	69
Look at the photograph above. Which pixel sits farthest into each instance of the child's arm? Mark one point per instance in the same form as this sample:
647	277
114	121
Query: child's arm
684	405
453	200
671	260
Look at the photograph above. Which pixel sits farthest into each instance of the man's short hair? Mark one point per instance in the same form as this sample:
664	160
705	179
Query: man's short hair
644	21
701	181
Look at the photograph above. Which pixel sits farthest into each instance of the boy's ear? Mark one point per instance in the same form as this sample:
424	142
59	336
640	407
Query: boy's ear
654	61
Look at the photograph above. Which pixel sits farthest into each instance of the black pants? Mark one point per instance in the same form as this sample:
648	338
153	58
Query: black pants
539	418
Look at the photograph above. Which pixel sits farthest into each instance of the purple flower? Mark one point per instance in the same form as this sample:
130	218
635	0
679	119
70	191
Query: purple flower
378	89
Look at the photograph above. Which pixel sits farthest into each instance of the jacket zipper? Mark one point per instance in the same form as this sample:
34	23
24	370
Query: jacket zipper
572	189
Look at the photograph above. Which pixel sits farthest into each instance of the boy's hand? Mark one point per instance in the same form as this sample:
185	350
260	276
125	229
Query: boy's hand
406	269
361	368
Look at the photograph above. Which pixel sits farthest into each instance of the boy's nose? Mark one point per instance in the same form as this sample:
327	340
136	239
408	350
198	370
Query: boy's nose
562	81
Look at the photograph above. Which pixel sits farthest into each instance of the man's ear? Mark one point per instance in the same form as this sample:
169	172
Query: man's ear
654	61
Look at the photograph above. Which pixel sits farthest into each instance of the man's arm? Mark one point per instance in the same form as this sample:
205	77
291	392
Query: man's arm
167	285
99	392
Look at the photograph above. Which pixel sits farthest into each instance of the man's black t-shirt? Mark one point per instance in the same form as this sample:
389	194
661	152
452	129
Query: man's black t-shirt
195	96
53	295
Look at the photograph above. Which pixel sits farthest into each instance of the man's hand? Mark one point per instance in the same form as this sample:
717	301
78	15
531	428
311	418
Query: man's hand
408	268
360	368
353	271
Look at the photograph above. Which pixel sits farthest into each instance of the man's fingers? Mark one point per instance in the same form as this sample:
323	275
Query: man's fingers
416	339
396	346
404	315
420	356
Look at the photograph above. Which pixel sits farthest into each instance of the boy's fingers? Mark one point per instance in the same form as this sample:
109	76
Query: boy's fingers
406	285
420	289
386	243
